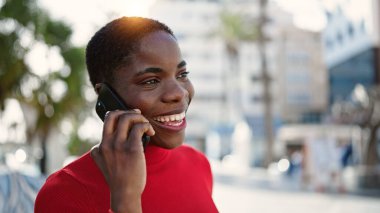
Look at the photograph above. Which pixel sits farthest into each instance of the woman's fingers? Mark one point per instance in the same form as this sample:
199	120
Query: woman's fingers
136	133
118	125
110	122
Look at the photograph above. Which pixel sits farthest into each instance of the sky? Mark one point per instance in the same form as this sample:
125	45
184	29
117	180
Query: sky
86	16
307	14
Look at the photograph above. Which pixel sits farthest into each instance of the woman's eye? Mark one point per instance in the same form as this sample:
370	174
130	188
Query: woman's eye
183	75
150	82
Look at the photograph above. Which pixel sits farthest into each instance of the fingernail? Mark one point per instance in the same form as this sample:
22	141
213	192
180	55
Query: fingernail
137	110
107	113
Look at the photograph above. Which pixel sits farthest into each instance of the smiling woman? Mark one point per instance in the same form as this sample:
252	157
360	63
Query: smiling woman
140	59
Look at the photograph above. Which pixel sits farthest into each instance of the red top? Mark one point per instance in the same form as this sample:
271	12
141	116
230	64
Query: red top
178	180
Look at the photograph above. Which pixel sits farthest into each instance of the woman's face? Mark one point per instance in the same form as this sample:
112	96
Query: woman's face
156	82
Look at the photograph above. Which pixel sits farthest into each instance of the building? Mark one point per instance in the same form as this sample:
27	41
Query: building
351	46
302	76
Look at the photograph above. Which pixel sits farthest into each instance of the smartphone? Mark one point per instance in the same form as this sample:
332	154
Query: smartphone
108	100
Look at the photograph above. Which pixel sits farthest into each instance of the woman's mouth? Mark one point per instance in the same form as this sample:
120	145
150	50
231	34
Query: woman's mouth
175	120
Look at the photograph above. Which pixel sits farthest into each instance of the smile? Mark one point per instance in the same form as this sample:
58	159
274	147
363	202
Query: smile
171	120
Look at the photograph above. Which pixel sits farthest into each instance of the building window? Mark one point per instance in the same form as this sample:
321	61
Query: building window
298	98
329	16
329	44
362	25
339	38
351	30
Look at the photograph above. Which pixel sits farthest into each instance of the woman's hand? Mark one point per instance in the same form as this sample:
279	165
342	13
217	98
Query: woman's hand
120	156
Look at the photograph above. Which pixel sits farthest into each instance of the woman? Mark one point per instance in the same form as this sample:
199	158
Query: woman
140	60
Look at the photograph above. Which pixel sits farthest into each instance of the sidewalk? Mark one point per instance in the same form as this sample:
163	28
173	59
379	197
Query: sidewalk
255	190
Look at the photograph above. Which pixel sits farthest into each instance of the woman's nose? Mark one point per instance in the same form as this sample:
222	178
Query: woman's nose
174	91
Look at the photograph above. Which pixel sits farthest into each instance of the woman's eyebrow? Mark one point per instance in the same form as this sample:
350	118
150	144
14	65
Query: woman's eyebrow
157	70
149	70
182	64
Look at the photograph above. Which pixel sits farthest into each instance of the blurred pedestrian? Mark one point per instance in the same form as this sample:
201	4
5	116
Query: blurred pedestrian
140	61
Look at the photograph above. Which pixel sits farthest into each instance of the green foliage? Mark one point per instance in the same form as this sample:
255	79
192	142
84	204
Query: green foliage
77	146
21	11
22	20
236	26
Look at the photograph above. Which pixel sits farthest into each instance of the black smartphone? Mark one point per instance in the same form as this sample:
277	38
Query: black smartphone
108	100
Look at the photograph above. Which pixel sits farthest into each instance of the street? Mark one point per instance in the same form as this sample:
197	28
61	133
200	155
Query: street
235	192
232	199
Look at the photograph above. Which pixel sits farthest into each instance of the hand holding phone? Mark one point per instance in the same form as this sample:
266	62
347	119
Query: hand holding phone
108	100
119	155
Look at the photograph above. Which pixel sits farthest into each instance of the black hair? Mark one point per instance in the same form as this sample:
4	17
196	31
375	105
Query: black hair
111	47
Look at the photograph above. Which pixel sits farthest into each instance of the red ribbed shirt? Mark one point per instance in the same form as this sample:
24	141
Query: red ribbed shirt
178	181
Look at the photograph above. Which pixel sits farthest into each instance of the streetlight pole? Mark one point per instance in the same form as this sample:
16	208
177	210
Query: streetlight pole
266	81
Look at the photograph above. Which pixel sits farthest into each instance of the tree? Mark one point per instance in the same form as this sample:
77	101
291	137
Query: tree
364	110
25	26
235	28
238	26
366	114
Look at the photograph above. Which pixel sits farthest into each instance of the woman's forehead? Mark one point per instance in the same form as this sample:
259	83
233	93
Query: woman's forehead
159	47
157	40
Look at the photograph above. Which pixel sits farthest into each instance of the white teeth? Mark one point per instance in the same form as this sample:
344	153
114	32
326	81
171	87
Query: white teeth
167	118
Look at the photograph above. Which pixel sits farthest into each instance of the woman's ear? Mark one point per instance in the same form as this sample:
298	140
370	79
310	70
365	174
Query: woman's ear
97	87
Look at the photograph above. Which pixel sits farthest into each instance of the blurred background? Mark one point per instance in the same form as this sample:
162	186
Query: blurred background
287	104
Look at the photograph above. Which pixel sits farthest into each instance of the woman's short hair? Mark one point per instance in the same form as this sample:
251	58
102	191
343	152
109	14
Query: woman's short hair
111	47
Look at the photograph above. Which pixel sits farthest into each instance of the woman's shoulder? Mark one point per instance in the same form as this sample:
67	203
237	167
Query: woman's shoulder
73	183
76	175
69	175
